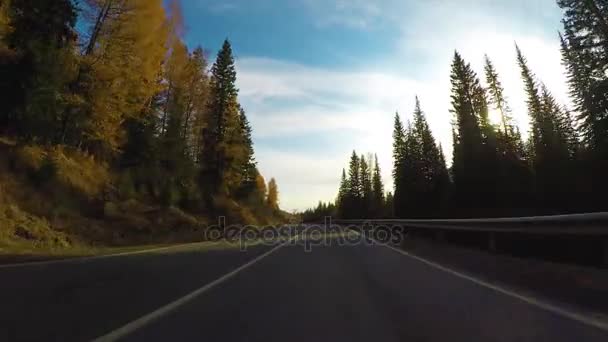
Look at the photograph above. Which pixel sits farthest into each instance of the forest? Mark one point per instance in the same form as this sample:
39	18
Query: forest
108	119
561	168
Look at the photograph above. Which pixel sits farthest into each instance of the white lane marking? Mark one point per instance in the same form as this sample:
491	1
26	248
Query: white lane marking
95	257
592	321
158	313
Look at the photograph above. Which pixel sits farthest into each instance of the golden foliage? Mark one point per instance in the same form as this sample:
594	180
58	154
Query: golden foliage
18	227
72	168
29	158
125	66
80	171
5	27
273	194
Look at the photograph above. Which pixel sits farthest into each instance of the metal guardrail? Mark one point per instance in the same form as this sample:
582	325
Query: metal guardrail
577	224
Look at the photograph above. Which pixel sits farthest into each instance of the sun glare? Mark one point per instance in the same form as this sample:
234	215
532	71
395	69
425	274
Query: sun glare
494	116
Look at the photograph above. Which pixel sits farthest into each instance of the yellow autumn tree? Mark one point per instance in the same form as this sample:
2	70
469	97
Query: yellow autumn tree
127	47
176	79
187	85
273	194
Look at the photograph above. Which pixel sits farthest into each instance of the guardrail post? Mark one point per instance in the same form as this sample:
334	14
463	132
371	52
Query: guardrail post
492	242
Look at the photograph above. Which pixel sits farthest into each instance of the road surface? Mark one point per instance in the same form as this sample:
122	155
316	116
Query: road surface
283	293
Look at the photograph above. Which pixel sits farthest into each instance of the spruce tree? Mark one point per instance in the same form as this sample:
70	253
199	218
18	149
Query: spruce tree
353	207
513	179
398	166
411	187
430	168
549	150
222	155
377	190
343	193
36	72
366	187
585	55
389	206
249	165
474	162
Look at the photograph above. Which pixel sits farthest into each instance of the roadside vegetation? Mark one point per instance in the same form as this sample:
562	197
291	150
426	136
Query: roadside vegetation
114	132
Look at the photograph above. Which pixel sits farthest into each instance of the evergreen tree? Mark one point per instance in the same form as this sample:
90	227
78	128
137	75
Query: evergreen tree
443	184
37	62
398	166
353	204
585	51
585	55
429	182
389	206
474	165
249	167
366	187
549	148
378	210
411	185
222	154
513	179
343	193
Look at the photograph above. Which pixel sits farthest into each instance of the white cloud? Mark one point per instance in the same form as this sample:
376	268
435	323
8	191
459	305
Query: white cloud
284	98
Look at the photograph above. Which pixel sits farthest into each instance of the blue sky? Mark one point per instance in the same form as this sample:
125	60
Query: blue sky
320	78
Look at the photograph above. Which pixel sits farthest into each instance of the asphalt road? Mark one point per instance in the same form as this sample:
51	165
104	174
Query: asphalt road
331	293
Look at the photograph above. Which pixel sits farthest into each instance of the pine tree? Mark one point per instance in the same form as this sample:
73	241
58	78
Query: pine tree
432	186
249	167
549	145
222	154
366	187
585	54
411	176
37	62
398	166
513	179
585	51
377	190
474	162
343	193
443	184
354	192
389	206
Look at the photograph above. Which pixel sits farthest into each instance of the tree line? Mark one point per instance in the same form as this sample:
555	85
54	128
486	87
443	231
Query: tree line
560	168
115	79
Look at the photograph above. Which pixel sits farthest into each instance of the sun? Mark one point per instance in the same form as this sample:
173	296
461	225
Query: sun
495	116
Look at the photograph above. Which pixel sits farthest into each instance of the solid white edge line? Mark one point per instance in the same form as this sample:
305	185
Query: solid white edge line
133	326
68	260
597	323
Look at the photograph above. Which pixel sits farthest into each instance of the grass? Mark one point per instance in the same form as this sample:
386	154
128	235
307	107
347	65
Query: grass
59	202
24	254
